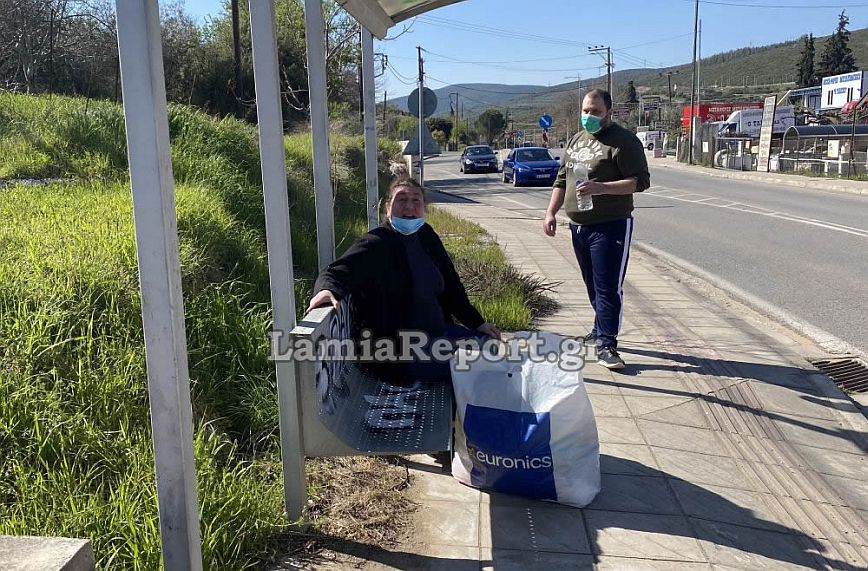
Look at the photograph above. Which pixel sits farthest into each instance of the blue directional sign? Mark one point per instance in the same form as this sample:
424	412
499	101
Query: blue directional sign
519	134
545	121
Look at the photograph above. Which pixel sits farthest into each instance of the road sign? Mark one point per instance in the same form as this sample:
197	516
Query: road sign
545	121
651	106
519	134
429	102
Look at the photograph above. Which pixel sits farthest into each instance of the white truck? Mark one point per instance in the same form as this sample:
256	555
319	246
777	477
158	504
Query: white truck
748	122
651	139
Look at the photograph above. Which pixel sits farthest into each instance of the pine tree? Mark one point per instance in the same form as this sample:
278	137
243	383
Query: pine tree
837	57
805	76
630	93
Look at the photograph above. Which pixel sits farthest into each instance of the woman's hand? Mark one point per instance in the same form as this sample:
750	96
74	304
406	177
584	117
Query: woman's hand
325	297
489	329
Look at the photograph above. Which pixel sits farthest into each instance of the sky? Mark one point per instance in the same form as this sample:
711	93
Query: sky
545	42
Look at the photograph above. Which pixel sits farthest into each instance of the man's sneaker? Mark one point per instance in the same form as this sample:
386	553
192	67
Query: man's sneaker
609	358
589	339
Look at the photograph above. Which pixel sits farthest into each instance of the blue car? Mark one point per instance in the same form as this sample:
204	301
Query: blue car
530	165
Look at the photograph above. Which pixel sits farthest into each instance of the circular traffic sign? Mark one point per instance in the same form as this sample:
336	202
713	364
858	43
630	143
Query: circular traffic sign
545	121
429	102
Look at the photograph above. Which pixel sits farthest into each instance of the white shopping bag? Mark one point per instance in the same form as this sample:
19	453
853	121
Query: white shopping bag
525	426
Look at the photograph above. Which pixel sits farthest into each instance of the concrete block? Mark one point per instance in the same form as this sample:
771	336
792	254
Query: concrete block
25	553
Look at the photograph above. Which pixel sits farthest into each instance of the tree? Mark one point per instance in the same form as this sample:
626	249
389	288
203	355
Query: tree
837	57
630	93
440	124
464	134
805	76
491	123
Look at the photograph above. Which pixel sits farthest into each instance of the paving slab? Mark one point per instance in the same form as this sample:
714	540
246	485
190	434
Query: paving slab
533	529
635	494
627	459
516	560
644	536
749	548
619	431
608	563
452	523
707	469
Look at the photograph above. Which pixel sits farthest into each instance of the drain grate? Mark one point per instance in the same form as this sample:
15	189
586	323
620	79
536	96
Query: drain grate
849	374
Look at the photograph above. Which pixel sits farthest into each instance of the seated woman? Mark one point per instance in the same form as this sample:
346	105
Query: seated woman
401	279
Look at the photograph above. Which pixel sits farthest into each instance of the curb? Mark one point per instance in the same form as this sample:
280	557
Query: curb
788	180
853	415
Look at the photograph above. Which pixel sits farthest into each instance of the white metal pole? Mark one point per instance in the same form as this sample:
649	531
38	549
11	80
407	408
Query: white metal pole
369	106
279	241
319	125
147	126
421	119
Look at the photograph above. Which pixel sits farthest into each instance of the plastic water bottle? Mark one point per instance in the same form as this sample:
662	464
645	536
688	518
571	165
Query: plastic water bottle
584	202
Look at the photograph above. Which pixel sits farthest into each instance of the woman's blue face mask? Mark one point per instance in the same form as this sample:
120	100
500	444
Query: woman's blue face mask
407	226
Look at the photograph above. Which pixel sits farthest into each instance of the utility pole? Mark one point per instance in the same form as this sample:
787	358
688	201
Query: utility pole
693	85
699	67
236	53
384	110
669	75
454	119
421	124
598	49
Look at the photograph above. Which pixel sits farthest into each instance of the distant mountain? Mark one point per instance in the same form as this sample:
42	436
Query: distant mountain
745	74
474	98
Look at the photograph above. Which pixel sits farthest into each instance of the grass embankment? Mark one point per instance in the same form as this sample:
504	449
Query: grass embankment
75	447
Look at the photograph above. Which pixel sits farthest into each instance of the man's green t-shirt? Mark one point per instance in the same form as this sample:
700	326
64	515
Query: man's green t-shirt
610	155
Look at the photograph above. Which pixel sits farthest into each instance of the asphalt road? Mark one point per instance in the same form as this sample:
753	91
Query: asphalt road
802	251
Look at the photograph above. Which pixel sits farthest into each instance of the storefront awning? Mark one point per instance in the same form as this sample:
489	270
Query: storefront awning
380	15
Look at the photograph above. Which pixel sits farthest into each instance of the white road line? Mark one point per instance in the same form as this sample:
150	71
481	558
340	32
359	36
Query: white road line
749	209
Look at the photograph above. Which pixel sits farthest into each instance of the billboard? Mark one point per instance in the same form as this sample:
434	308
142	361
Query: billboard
708	112
840	89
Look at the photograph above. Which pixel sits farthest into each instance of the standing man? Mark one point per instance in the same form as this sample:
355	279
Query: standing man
603	166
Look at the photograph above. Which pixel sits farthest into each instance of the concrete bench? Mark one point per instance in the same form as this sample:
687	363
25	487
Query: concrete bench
347	412
25	553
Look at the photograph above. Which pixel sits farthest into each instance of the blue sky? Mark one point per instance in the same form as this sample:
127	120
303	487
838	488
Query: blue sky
652	33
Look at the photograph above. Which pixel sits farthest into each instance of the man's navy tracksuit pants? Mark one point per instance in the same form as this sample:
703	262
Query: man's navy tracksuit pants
603	251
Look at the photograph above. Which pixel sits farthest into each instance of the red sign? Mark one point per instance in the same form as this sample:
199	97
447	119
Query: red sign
708	112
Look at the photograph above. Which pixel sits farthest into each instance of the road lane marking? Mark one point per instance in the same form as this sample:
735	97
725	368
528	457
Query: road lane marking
760	211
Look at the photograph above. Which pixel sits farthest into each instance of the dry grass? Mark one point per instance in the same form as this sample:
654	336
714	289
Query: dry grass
354	502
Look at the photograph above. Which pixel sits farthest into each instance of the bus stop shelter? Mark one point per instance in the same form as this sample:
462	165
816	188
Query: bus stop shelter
146	117
839	150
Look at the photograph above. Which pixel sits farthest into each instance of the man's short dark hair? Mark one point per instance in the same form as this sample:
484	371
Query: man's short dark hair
602	94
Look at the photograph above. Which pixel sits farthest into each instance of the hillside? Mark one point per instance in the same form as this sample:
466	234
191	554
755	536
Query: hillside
742	74
474	97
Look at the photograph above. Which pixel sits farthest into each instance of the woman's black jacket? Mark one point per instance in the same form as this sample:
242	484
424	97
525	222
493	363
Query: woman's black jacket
376	272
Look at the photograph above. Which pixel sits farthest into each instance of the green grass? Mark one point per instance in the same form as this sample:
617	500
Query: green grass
74	422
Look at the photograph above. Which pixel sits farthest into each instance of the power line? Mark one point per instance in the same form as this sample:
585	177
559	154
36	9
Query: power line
513	34
780	6
398	76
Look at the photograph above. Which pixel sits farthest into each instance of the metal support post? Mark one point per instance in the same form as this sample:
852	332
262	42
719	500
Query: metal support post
147	125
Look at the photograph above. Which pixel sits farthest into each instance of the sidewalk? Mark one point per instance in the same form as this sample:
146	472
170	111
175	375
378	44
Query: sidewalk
720	447
814	183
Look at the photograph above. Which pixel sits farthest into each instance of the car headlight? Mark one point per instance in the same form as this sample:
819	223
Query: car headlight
522	168
468	162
